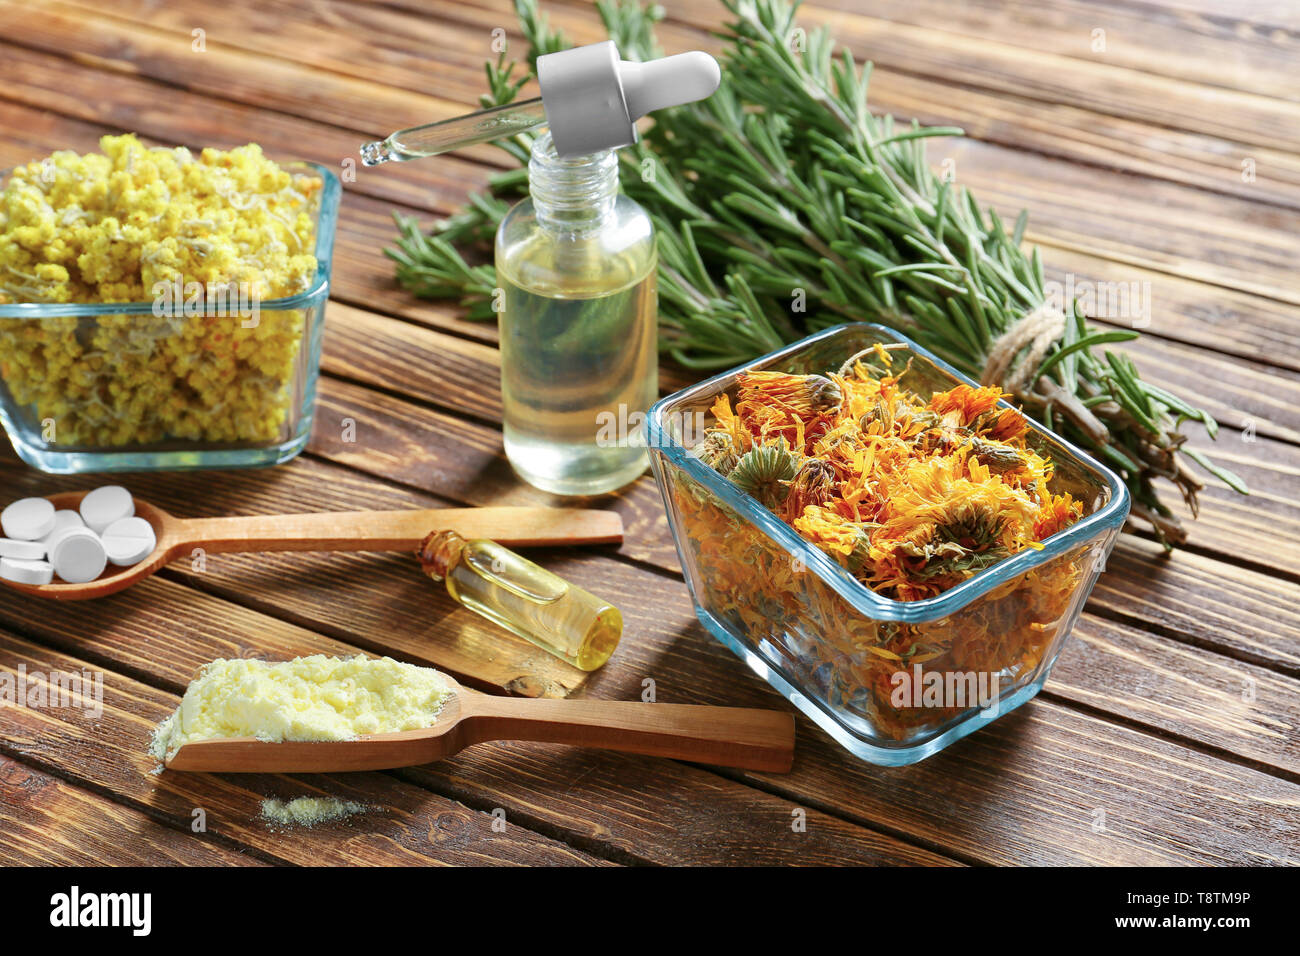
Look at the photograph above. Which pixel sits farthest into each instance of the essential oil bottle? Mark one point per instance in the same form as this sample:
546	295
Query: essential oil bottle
541	607
578	316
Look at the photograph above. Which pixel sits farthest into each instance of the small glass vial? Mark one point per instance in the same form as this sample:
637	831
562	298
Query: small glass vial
527	600
579	358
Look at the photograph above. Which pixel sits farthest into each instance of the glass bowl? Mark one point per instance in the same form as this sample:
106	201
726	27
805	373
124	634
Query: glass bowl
267	380
806	626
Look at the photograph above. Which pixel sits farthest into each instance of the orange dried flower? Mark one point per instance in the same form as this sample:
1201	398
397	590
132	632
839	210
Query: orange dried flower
924	493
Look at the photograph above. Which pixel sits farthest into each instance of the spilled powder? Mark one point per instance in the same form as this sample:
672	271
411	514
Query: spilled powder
309	811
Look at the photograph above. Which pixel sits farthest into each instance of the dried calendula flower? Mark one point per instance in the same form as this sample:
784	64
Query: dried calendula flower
765	471
912	495
813	484
793	407
718	451
802	394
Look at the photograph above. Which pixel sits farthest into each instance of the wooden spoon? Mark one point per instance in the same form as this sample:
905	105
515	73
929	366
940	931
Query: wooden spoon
325	531
726	736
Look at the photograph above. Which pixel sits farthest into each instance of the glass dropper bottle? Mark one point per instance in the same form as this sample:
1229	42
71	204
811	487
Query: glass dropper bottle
590	99
508	589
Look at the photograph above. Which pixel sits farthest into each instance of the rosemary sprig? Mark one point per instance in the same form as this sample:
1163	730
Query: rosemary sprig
783	206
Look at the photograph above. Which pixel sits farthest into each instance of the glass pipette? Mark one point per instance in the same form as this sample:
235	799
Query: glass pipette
435	138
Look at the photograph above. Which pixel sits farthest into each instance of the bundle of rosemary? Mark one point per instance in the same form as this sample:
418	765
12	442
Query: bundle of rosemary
783	206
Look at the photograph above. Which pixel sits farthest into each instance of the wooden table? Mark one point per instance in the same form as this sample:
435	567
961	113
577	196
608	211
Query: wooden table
1168	731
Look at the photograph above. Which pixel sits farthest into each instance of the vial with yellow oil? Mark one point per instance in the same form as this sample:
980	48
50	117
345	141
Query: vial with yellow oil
537	605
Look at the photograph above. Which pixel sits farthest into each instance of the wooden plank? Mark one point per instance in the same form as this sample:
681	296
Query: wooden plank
407	825
1184	310
349	596
1078	135
116	45
363	275
1182	691
49	822
1238	392
418	446
650	811
1130	682
1174	43
457	374
1230	242
1258	399
1260	14
1246	54
1216	604
673	815
1082	136
462	376
406	38
1264	544
329	592
430	450
1053	786
371	43
39	88
1015	791
340	592
462	462
1261	527
1012	117
1178	707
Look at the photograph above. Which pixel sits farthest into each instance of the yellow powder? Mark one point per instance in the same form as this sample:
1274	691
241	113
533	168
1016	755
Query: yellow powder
309	811
307	698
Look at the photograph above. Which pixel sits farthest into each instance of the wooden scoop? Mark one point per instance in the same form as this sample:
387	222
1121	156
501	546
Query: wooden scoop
726	736
325	531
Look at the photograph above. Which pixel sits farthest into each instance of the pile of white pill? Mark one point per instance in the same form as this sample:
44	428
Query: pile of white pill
40	542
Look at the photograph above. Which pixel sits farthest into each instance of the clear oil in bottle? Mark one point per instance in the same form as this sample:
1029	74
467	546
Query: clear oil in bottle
579	359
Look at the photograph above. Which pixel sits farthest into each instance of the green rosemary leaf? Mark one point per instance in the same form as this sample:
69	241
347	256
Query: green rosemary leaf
1223	474
1086	342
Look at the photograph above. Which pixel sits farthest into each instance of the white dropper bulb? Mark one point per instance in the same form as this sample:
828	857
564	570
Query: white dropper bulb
593	99
672	81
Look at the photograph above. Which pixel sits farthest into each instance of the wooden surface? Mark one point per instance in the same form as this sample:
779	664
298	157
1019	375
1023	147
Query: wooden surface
1168	731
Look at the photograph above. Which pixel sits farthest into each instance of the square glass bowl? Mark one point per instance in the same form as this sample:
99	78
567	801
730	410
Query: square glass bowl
248	394
820	637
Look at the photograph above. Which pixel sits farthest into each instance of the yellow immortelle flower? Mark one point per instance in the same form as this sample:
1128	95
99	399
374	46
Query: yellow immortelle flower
118	227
